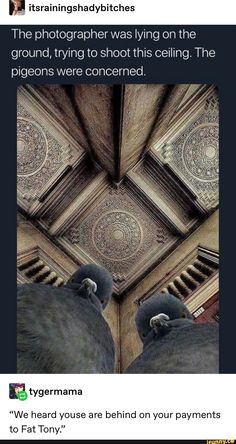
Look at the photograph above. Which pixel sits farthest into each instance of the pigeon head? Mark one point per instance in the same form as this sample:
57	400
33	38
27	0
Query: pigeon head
160	312
95	280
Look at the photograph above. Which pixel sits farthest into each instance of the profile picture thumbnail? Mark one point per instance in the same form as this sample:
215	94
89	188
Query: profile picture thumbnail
16	7
15	388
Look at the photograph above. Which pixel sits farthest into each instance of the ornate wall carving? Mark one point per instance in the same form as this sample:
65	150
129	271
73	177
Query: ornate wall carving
39	155
32	147
193	153
120	234
43	152
117	235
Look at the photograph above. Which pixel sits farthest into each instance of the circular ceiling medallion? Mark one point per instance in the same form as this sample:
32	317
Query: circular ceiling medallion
32	147
200	152
117	235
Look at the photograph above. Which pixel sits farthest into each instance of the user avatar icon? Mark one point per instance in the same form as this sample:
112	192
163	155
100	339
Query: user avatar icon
15	389
16	7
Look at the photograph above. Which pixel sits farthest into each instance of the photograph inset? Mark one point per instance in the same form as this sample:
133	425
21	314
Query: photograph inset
118	249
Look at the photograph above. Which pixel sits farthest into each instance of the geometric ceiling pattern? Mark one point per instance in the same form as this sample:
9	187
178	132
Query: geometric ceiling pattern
118	174
192	152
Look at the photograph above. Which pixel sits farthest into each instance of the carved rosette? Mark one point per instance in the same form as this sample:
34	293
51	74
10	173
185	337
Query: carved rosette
120	234
194	155
40	156
32	147
117	235
200	152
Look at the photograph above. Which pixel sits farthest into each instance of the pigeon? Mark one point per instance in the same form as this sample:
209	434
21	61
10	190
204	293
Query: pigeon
62	329
172	341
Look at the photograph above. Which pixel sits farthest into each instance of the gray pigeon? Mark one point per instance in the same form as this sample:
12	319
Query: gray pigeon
62	330
172	342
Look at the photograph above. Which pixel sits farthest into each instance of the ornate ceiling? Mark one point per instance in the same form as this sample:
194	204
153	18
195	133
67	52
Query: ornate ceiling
118	175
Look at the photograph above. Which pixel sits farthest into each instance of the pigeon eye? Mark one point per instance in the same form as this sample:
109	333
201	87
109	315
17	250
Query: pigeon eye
184	315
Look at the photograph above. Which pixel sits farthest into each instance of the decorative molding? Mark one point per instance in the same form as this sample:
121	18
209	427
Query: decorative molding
59	199
36	266
203	294
56	103
156	197
173	192
80	204
194	102
157	201
189	277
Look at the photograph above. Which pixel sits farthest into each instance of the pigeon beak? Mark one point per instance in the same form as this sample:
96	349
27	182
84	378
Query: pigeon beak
88	283
159	320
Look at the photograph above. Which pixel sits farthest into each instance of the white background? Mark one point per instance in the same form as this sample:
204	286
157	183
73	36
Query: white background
152	12
143	393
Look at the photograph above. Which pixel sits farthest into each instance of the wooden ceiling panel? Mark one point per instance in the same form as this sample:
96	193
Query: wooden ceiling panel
174	98
141	106
95	110
59	100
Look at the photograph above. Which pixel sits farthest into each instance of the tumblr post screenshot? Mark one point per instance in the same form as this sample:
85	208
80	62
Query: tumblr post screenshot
117	290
